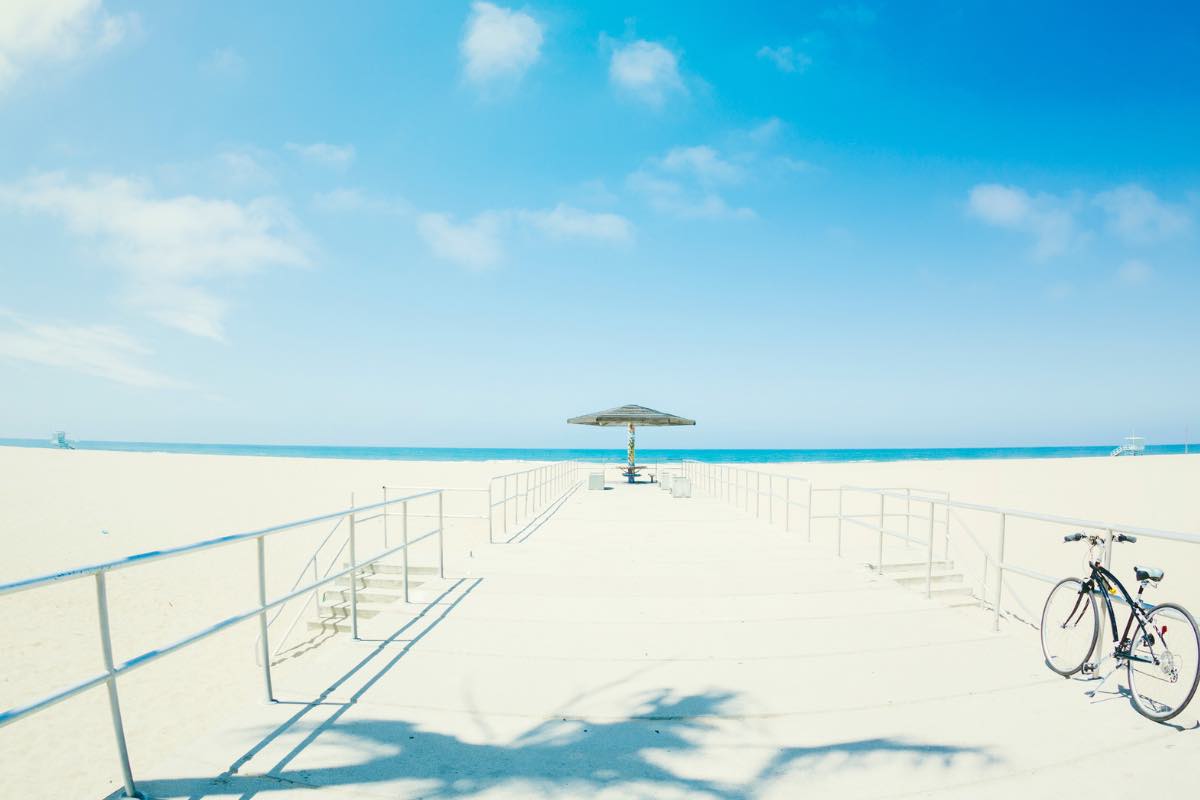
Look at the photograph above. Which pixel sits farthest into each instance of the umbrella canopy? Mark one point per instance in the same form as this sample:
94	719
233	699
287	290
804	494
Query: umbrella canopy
631	416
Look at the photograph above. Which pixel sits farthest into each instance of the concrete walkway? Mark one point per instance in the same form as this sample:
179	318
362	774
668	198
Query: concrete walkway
637	645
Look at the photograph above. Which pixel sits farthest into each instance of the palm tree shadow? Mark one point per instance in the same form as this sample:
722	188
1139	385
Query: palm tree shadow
570	755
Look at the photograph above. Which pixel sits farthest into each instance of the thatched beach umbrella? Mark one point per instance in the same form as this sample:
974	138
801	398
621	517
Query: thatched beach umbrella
630	416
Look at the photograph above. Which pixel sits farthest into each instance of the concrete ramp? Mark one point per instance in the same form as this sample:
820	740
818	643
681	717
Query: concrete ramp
637	645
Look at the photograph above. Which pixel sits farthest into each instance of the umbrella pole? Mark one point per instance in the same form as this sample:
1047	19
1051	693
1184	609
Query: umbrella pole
631	453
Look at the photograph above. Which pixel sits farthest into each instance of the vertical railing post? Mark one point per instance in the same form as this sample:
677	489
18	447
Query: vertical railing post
385	516
757	494
353	578
929	556
881	524
1000	569
808	527
404	541
441	538
908	515
839	528
114	702
946	546
504	505
490	511
264	644
1108	550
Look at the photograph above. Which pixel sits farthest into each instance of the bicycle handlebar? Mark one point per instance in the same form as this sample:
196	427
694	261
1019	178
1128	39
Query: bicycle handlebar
1080	535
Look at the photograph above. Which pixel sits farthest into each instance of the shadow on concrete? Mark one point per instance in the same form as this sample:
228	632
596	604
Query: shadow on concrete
569	755
535	524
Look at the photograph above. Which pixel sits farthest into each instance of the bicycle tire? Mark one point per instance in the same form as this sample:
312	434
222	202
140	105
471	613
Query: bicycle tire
1144	678
1067	657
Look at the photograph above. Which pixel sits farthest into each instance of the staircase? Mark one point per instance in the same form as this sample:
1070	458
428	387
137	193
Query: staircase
380	587
948	585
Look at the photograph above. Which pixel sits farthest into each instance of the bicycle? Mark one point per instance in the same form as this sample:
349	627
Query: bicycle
1162	676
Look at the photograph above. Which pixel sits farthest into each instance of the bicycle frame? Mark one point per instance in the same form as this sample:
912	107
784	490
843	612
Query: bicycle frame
1101	582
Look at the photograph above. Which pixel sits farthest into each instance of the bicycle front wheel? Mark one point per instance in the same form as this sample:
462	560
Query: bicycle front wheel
1070	627
1164	663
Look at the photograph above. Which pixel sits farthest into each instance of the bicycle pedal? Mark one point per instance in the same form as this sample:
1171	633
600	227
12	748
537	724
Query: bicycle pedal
1090	668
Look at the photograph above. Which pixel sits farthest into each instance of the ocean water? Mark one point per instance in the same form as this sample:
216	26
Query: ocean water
646	456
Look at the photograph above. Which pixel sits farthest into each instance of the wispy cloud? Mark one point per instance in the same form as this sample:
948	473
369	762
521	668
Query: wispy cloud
35	32
1138	216
568	222
1050	220
646	70
684	183
474	244
323	153
168	250
99	350
785	58
499	43
479	243
224	62
1134	272
346	200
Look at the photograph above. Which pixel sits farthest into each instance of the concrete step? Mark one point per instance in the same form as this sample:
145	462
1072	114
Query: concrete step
380	568
375	582
365	610
938	579
903	567
334	596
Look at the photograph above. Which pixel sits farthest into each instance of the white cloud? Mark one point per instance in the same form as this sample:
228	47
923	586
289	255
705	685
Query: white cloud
225	62
1136	215
475	244
244	168
568	222
672	197
1048	219
327	155
786	58
701	161
647	70
682	183
98	350
33	32
499	43
166	248
1134	272
345	200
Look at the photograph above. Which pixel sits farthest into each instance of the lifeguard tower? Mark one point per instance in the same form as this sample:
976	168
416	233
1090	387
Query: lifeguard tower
1133	446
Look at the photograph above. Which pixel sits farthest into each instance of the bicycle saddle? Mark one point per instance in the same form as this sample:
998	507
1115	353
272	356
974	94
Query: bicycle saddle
1148	573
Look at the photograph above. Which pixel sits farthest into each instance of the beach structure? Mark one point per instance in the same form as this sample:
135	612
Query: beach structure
631	416
60	439
1133	446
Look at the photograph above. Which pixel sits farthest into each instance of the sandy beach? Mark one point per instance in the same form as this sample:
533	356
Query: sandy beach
60	509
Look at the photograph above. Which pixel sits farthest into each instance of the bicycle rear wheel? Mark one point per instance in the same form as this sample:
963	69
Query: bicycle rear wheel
1070	627
1162	685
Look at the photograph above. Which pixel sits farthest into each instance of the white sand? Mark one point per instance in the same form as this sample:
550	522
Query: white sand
54	504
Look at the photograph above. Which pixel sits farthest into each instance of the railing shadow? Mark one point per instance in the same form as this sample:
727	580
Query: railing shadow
544	516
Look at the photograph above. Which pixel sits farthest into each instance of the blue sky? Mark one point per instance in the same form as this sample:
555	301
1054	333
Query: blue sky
433	223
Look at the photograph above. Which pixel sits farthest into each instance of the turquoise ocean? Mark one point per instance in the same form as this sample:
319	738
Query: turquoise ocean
648	455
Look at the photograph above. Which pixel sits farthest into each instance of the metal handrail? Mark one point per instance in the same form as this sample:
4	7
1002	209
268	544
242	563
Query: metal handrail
544	485
113	670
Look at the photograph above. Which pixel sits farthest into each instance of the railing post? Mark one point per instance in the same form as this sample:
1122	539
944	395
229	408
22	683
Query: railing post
839	529
441	538
929	555
264	644
353	578
114	702
757	494
881	523
385	516
908	515
490	512
1108	543
946	546
808	527
1000	569
504	504
404	552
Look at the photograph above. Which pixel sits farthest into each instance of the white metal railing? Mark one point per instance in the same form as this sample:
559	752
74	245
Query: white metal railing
113	670
525	493
744	488
998	560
